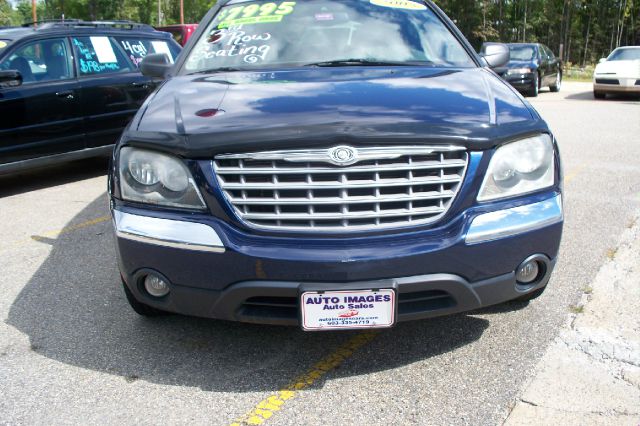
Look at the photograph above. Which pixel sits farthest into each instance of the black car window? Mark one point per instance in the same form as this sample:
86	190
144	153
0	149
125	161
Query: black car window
522	52
543	53
256	34
99	55
138	48
549	53
41	60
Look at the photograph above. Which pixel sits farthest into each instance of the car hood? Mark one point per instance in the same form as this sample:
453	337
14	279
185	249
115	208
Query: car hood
629	69
205	114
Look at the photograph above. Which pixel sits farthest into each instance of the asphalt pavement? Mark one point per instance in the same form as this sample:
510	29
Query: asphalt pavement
73	352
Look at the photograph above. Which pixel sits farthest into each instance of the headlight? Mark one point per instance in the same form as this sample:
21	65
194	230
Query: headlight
519	71
155	178
519	167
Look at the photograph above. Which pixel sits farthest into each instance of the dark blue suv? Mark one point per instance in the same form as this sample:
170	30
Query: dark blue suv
333	164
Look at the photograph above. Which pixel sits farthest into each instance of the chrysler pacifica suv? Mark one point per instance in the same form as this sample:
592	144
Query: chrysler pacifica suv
333	164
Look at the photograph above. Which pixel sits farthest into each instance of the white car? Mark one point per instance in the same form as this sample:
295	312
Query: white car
619	73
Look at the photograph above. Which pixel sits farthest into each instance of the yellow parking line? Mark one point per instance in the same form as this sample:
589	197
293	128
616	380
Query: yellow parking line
58	232
573	173
70	228
266	408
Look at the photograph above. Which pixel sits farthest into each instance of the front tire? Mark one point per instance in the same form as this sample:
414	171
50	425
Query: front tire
139	307
555	87
535	86
599	95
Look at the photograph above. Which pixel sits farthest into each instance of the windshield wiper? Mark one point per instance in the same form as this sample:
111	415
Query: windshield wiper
214	70
366	62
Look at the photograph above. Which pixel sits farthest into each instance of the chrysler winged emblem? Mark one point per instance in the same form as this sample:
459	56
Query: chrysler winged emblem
342	155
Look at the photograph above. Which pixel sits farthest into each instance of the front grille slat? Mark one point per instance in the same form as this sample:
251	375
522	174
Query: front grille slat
281	190
413	196
343	184
345	214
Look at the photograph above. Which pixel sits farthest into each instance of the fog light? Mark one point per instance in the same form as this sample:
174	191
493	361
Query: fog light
528	272
156	286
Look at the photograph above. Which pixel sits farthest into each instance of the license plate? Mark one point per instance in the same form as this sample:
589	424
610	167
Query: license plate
329	310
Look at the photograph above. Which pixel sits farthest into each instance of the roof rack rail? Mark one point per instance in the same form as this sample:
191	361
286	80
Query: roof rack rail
47	21
79	23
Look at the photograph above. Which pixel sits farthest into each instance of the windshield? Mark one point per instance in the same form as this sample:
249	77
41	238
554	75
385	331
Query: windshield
522	53
3	45
261	34
624	55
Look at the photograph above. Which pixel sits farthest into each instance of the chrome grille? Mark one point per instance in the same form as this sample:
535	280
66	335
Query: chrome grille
305	190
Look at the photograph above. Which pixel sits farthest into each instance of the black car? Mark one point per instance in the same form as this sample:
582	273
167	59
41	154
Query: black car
68	89
531	67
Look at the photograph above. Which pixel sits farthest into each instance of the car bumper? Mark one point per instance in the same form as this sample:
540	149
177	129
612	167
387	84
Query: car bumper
520	81
624	86
217	271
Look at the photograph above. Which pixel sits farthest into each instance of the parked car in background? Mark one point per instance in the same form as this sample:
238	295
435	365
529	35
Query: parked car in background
333	164
67	89
618	73
180	32
531	67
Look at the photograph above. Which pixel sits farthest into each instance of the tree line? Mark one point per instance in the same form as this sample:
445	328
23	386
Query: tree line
579	31
153	12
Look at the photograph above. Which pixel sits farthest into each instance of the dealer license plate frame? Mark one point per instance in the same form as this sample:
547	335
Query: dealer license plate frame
309	320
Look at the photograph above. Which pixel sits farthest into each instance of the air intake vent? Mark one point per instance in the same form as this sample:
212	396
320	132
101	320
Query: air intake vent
607	81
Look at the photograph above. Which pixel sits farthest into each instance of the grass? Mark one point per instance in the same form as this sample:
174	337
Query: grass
576	309
587	290
575	73
578	79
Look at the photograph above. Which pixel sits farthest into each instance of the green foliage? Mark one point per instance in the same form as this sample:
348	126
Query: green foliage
145	11
5	13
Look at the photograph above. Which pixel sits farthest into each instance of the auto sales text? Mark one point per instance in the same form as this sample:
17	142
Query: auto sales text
348	302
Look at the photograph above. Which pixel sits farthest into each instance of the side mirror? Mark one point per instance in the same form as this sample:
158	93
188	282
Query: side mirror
496	54
602	60
156	65
10	78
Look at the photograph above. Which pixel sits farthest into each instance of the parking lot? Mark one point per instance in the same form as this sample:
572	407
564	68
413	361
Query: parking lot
72	350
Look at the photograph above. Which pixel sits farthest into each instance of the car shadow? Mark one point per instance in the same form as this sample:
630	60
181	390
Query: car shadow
73	310
588	96
47	177
511	306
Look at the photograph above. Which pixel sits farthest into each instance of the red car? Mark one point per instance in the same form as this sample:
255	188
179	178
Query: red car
180	32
